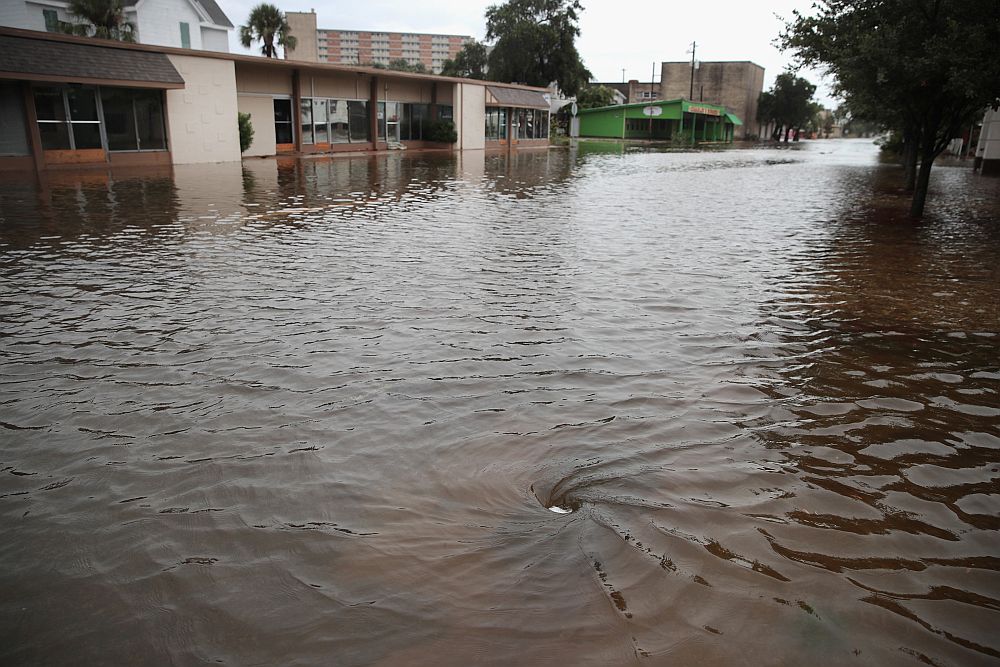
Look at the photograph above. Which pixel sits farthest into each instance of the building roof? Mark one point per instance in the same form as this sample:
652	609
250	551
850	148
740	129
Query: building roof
518	98
278	63
45	60
210	6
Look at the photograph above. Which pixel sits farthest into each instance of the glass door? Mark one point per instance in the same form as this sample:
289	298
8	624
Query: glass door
392	122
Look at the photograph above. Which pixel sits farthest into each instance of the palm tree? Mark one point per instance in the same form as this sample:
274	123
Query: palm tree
105	17
265	23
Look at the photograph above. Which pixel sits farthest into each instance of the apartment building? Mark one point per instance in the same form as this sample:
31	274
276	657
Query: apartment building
185	24
366	47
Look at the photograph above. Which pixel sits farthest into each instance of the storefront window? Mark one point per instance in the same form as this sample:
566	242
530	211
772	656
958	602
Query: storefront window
446	112
306	121
319	121
133	119
357	113
414	117
149	119
340	132
79	129
13	126
283	121
119	119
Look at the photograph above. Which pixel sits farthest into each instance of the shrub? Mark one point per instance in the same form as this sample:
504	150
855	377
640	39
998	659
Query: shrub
246	131
442	131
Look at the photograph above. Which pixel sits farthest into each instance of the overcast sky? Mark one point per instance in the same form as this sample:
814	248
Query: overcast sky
614	34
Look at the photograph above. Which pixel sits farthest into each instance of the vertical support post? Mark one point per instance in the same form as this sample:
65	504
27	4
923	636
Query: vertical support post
297	110
373	112
34	136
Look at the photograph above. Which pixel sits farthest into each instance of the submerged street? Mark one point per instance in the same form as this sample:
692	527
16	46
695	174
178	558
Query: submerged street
570	406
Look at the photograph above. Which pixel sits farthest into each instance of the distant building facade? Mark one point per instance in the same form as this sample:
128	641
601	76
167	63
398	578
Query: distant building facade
185	24
677	120
634	91
736	85
365	47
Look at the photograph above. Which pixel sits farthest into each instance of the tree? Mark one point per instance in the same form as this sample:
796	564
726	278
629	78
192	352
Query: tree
788	105
268	25
924	68
404	65
535	43
469	63
104	19
592	97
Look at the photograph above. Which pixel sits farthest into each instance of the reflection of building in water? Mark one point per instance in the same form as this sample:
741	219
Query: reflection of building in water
69	101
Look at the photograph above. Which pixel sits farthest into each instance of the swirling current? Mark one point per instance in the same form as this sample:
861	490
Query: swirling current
576	406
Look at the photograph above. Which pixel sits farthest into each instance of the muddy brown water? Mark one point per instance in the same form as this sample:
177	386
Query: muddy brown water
572	407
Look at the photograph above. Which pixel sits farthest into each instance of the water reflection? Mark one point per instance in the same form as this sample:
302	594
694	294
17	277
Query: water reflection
290	410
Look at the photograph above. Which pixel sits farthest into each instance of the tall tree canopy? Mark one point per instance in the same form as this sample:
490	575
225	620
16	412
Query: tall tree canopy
593	97
267	24
789	104
469	63
535	43
926	68
100	18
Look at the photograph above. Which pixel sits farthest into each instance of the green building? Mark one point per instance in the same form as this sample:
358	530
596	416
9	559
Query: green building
680	120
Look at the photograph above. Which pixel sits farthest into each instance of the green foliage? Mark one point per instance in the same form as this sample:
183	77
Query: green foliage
400	65
592	97
267	24
104	19
246	130
926	68
440	130
469	63
535	43
789	104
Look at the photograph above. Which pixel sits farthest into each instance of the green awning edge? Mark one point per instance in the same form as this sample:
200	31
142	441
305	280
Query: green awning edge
733	118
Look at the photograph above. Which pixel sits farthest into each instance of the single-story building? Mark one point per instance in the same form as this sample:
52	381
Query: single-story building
72	100
670	120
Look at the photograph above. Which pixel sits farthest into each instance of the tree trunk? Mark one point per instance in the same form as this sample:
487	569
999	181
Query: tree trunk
923	178
787	132
910	164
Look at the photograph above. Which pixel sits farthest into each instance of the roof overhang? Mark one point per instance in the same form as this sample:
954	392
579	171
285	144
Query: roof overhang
516	97
66	62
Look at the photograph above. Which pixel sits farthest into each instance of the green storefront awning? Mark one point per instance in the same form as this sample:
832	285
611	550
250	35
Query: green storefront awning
733	118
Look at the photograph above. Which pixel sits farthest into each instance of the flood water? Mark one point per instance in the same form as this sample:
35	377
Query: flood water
568	407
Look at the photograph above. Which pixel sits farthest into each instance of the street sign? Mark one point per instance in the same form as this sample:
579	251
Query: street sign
572	109
652	111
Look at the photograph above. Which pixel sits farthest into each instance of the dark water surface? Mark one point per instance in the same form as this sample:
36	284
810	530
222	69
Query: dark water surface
572	407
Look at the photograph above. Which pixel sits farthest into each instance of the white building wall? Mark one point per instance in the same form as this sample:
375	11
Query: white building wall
989	138
26	15
159	22
201	118
470	109
261	110
214	39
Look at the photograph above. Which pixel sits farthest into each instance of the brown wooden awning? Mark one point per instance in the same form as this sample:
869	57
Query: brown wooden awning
516	97
65	62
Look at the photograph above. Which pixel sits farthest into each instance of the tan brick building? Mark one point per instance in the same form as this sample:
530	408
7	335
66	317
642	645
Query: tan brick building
736	85
364	47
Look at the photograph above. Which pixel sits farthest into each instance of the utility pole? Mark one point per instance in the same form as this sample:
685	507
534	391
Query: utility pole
694	45
623	75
